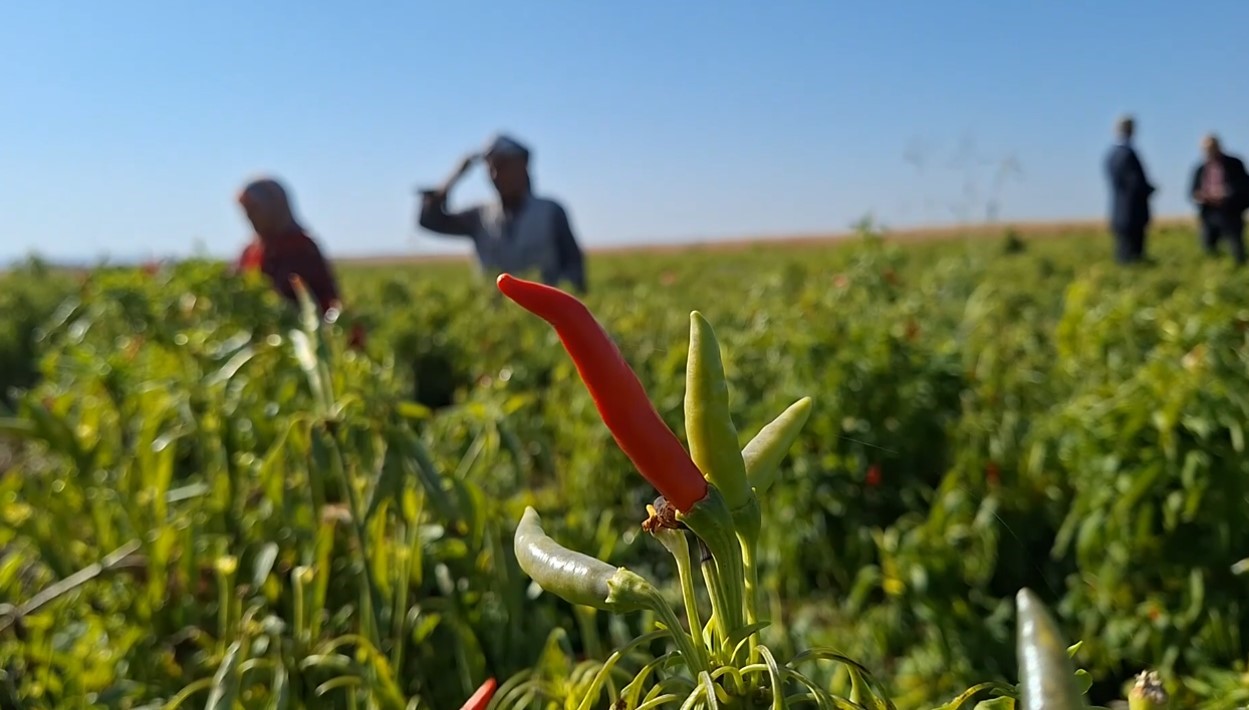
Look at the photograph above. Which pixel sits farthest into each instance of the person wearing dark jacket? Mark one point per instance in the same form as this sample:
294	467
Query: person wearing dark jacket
1221	191
1130	191
519	233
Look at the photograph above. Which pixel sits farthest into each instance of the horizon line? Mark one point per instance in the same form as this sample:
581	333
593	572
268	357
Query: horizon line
935	230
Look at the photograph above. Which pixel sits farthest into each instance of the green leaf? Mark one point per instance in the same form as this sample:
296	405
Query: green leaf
265	559
226	681
961	702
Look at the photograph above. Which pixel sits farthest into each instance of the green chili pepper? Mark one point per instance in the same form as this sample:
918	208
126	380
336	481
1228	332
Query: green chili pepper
714	448
763	454
1047	680
708	422
580	579
572	576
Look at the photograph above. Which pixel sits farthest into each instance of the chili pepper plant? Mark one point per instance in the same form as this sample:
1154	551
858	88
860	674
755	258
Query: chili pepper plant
714	494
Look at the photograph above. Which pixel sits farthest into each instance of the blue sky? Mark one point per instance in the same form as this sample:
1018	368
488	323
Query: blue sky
126	127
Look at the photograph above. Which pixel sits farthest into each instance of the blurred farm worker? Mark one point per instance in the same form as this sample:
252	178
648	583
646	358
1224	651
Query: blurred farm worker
281	249
1130	191
1221	190
519	233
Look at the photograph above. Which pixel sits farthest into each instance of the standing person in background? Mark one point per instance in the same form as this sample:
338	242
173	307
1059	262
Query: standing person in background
520	232
1130	191
281	249
1221	190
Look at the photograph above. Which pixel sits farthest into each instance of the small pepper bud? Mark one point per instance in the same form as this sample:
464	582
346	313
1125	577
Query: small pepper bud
1148	693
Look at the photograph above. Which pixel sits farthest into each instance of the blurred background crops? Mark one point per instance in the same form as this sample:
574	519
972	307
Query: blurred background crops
204	497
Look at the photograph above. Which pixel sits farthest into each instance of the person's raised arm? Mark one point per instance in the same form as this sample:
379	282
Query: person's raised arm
435	218
571	258
434	215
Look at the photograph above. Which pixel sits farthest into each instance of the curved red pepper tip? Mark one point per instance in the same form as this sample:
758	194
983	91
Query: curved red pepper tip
547	302
509	284
481	698
618	394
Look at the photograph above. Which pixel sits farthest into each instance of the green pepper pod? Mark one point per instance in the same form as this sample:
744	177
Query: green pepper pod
1046	678
708	423
674	541
573	576
762	456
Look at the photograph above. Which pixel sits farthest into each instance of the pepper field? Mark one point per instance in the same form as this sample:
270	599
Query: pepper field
203	501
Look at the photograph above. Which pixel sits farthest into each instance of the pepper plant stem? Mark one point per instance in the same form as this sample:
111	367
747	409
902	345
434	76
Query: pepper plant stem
731	583
751	588
712	522
748	521
712	579
675	542
370	596
695	654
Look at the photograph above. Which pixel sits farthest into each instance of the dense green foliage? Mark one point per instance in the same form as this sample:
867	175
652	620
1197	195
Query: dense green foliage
29	295
986	419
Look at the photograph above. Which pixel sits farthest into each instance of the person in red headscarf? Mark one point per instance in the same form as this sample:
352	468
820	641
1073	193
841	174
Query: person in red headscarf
282	250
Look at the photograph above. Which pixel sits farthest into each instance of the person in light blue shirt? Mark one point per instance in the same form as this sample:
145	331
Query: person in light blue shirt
520	232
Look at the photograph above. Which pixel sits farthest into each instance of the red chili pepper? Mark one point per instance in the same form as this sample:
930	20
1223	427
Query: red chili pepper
873	476
481	698
616	390
912	329
357	337
992	473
